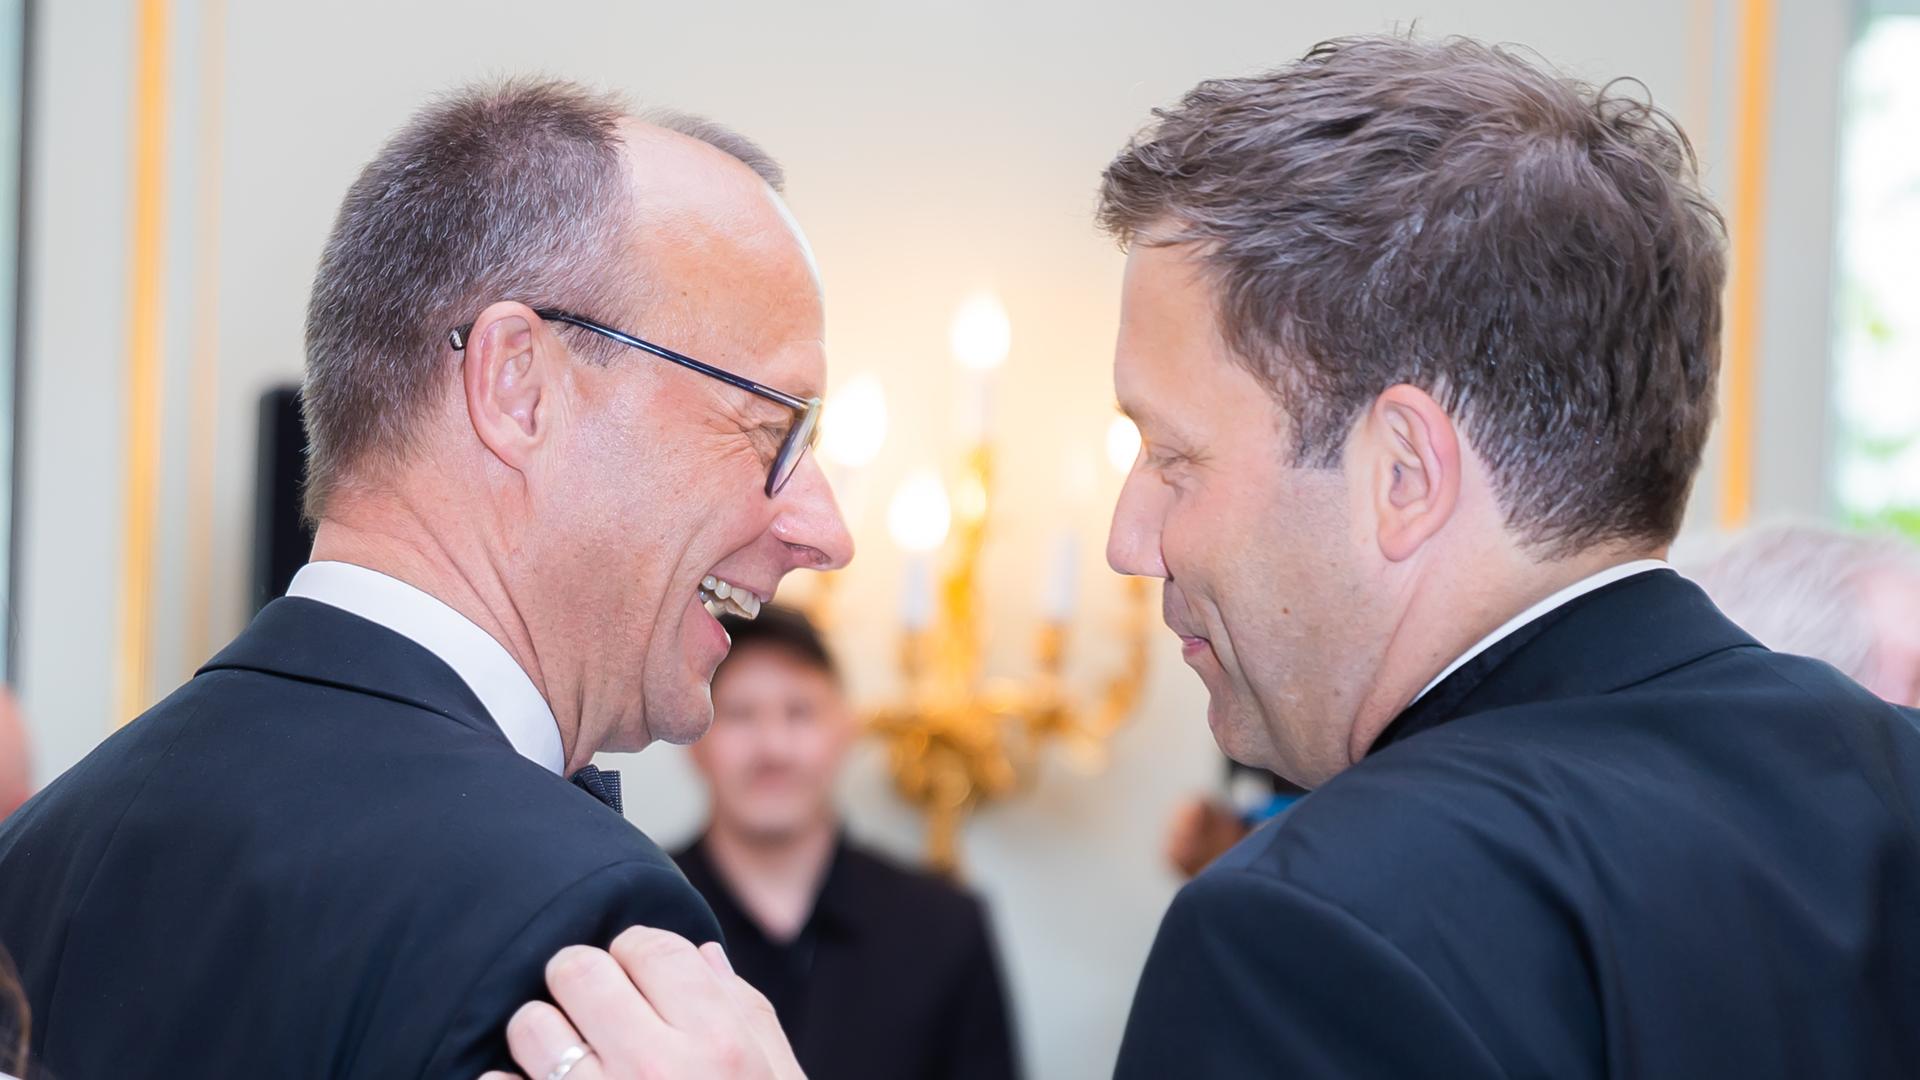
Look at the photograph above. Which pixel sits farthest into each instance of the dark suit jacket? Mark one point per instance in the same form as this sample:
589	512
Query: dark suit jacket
894	974
1626	842
317	858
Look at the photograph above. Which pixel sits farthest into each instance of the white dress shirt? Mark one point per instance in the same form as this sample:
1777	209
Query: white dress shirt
1570	593
485	665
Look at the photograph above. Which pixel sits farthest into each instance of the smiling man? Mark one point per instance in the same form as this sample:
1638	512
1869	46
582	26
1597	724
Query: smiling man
1422	342
562	371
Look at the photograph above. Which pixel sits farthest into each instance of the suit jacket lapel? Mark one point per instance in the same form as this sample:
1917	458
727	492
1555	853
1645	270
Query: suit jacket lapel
297	638
1606	640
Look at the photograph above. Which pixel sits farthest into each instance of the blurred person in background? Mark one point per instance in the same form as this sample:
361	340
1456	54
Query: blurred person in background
16	756
873	969
1850	599
349	845
14	1022
1204	827
16	785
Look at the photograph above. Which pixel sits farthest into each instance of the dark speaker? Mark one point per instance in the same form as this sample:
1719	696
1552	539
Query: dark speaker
281	540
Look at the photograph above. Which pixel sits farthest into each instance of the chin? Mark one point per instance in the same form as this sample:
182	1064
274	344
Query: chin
683	720
1238	735
773	830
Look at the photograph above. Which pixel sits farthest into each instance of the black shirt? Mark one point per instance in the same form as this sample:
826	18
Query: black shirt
893	974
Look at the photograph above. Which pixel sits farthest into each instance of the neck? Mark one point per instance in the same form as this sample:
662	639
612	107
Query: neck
775	878
1448	615
403	539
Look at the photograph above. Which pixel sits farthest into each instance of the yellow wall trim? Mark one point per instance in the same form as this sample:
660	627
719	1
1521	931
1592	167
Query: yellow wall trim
142	382
1747	228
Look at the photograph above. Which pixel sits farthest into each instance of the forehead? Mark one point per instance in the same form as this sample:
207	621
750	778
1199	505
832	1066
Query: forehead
1173	372
769	669
728	276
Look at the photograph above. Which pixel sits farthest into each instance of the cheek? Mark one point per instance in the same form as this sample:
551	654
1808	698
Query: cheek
604	509
1260	557
1209	534
821	754
739	521
1192	540
733	758
722	513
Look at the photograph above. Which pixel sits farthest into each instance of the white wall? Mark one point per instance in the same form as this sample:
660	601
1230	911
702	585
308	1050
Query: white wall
933	149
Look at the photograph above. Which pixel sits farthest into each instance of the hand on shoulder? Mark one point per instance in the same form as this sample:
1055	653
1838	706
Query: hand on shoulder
649	1006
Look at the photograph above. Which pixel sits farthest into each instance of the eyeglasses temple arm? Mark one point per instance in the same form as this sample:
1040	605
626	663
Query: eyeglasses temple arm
665	353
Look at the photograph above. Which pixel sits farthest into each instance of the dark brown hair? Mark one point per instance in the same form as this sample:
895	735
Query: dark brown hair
508	191
782	629
1533	251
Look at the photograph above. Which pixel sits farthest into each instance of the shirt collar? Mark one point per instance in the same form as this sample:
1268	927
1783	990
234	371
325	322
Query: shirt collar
502	686
835	908
1564	596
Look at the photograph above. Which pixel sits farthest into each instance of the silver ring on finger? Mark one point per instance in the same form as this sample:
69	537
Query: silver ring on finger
571	1056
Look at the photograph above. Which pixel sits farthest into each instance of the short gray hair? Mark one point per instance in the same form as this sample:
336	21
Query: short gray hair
1799	588
513	190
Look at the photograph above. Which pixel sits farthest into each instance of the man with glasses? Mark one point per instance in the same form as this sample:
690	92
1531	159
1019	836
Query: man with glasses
563	368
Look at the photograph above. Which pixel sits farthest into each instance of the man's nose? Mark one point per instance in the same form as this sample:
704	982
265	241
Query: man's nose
810	523
1133	541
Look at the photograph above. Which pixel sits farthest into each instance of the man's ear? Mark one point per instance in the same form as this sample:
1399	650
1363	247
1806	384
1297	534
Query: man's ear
509	374
1413	455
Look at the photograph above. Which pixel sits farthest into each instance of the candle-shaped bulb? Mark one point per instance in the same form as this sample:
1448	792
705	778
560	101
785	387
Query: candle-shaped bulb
855	424
1123	444
920	514
981	334
916	597
1065	578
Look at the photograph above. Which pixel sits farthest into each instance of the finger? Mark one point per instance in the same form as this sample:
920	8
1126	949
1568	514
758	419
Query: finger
762	1022
716	955
676	980
502	1076
602	1003
540	1036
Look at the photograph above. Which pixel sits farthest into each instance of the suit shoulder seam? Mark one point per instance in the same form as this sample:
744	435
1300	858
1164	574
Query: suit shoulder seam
1831	732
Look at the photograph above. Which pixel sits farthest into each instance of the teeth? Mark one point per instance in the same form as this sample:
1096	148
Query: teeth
722	597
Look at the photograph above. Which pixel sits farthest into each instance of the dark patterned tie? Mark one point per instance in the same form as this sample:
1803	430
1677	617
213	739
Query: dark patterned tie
602	784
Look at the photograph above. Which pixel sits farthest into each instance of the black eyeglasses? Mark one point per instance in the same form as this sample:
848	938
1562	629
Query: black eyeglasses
800	437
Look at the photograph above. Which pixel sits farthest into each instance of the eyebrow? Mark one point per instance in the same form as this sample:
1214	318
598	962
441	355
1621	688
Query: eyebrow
1144	416
1167	434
